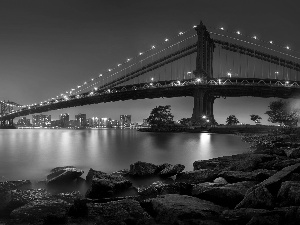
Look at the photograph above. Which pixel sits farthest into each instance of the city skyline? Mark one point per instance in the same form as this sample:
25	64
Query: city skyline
48	48
80	120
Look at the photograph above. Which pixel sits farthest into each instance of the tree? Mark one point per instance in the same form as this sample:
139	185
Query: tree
255	118
232	120
281	112
186	121
160	116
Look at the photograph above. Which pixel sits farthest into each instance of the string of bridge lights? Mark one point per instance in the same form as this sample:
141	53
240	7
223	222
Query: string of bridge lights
91	82
255	37
248	42
11	105
88	84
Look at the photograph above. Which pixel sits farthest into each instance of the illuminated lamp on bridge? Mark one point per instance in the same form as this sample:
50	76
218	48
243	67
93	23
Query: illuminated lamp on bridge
229	74
204	117
221	28
198	79
166	39
238	32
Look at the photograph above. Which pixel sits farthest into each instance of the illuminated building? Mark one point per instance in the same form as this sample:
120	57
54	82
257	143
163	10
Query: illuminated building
125	120
81	120
24	122
64	120
41	120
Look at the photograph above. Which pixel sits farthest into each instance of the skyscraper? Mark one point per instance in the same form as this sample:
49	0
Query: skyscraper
81	120
125	120
41	120
64	120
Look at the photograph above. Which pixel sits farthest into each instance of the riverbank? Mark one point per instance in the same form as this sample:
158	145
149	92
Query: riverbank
259	187
226	129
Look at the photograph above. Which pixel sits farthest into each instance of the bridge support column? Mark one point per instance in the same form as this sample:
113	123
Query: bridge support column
205	48
203	106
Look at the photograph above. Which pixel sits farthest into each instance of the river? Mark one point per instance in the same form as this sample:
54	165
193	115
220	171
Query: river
31	153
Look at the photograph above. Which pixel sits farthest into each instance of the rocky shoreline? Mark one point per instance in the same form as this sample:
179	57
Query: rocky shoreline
259	187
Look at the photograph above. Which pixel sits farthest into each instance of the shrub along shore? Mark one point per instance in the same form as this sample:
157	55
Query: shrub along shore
258	187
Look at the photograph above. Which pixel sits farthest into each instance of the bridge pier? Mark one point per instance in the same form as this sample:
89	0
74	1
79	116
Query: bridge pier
203	106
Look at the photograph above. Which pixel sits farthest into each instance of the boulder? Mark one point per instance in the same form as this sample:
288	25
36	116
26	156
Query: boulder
241	216
240	162
94	174
42	211
278	164
257	197
237	176
171	170
159	188
289	193
225	195
22	197
142	169
197	176
125	211
272	219
179	209
220	180
7	195
60	175
273	183
292	152
105	185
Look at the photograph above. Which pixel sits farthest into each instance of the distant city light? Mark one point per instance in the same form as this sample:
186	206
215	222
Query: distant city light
180	33
255	37
153	46
166	39
194	26
271	42
238	32
222	28
288	47
140	53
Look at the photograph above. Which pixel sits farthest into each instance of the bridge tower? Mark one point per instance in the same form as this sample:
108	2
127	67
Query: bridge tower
203	100
5	108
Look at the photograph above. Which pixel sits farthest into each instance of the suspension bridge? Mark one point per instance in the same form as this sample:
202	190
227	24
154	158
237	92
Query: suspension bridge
202	63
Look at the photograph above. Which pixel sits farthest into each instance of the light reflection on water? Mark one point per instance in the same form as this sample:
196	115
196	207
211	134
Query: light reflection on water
30	154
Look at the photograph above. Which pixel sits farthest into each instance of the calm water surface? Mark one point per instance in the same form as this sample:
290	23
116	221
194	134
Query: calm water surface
30	154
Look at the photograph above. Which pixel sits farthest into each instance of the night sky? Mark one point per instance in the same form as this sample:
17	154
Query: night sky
50	46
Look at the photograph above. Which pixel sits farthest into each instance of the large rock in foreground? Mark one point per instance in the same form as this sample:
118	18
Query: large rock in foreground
60	175
7	198
197	176
43	211
241	162
225	195
126	211
181	209
105	185
289	193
